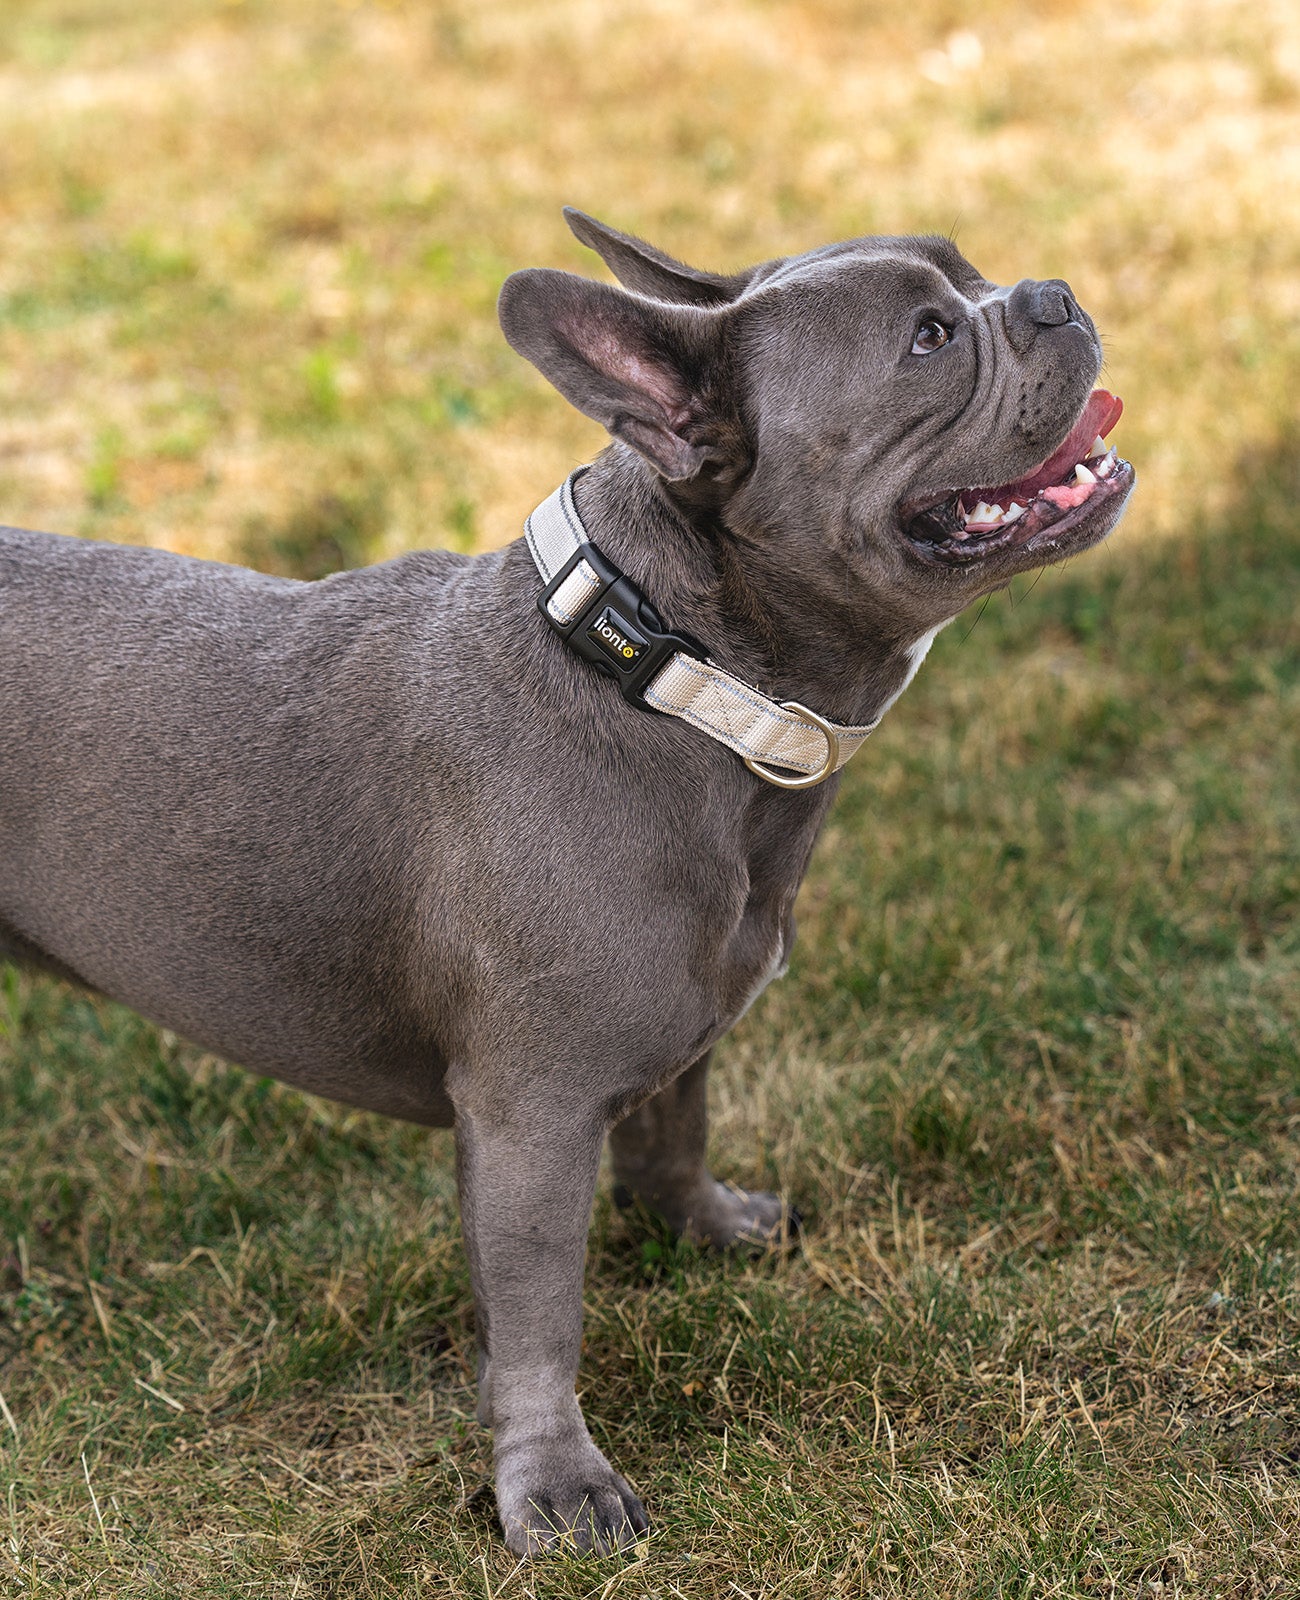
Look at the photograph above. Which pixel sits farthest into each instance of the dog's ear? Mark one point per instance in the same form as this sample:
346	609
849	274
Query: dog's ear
649	271
643	369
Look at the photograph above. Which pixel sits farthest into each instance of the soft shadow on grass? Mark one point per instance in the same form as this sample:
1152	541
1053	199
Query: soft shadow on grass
1033	1081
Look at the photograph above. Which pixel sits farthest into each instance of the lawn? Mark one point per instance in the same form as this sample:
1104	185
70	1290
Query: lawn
1033	1079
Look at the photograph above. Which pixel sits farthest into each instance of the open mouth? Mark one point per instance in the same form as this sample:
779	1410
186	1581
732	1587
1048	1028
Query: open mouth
1066	494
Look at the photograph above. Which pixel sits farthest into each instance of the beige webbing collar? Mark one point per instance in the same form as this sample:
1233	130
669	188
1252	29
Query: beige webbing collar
604	617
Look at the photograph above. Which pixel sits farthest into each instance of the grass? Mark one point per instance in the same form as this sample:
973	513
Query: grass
1033	1078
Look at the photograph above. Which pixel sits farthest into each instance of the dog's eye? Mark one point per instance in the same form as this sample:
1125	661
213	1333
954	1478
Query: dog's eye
930	336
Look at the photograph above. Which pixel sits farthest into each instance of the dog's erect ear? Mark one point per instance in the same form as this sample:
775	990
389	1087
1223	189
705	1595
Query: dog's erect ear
649	271
644	369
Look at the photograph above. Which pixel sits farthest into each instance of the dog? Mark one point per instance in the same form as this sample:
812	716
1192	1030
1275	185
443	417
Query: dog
471	842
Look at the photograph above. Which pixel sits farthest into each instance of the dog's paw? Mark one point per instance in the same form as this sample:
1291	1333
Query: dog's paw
745	1219
720	1216
565	1497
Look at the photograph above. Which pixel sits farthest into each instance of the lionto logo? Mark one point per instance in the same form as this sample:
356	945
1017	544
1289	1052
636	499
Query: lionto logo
616	638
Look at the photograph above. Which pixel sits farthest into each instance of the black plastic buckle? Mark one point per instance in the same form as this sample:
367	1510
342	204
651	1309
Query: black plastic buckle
618	631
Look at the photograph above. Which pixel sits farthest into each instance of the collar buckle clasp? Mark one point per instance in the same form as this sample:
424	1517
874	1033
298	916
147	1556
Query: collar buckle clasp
605	618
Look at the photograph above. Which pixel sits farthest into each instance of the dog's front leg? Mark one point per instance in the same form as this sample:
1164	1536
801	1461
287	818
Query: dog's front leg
526	1186
659	1160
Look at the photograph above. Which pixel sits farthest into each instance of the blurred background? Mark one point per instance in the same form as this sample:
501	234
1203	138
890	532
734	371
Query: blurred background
250	248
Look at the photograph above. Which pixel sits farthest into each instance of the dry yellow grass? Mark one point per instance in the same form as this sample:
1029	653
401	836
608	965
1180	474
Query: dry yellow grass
251	248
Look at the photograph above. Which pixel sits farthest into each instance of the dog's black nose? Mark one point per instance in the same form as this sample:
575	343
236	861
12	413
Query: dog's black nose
1033	305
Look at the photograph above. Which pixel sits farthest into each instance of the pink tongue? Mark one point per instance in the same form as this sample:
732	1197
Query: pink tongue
1065	496
1099	416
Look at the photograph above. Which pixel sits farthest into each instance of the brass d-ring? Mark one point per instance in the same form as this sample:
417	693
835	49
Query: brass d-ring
808	780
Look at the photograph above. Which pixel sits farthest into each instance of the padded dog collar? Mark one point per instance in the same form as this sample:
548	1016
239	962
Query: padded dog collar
604	618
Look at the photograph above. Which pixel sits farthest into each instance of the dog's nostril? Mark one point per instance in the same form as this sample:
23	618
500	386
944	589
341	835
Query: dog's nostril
1040	305
1052	304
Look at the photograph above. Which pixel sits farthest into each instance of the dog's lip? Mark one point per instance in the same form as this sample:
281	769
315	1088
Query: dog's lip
1101	411
1043	500
1076	528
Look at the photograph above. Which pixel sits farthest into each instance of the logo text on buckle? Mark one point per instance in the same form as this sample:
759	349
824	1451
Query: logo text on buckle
615	636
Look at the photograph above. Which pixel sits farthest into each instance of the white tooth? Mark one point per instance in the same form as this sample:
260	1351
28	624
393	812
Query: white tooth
996	512
1096	448
1107	464
1013	512
1082	475
981	513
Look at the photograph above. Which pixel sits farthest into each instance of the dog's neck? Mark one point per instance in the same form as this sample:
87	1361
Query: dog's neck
755	620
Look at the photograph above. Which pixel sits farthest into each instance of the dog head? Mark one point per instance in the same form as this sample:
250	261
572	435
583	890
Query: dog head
873	418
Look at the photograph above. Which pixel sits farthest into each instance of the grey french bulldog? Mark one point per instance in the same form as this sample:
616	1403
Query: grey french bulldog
390	837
